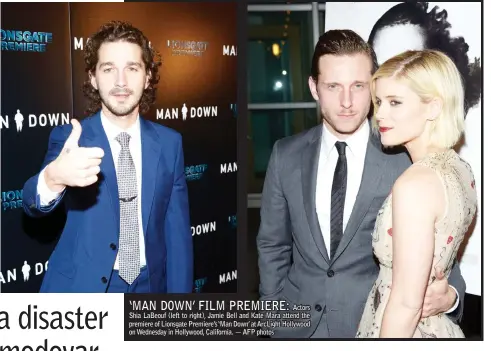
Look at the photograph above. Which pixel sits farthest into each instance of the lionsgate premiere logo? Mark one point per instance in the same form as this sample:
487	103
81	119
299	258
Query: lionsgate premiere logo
199	284
187	47
20	120
186	112
227	277
11	199
24	40
23	273
229	50
204	228
79	42
195	172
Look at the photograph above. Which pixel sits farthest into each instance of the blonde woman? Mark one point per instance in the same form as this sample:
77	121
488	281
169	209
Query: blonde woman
419	103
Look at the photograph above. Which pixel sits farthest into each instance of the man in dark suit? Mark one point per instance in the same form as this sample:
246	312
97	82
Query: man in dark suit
120	178
322	192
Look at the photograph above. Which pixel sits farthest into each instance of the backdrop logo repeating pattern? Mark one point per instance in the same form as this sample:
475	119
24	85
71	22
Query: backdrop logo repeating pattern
79	42
23	273
187	47
19	40
227	277
229	50
229	167
204	228
186	112
11	199
199	284
22	120
195	172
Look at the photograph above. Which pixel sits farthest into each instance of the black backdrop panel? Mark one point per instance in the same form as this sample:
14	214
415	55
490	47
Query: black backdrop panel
196	96
38	85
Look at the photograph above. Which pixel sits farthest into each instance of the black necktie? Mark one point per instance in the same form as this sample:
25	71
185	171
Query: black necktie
338	195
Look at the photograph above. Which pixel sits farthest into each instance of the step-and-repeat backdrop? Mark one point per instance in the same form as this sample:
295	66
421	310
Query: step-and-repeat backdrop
41	87
455	29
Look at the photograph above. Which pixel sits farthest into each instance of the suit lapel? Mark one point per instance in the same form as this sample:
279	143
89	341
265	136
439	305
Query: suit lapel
310	161
373	170
150	162
95	137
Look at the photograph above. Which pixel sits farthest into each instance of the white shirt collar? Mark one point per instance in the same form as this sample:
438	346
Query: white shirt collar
112	130
356	143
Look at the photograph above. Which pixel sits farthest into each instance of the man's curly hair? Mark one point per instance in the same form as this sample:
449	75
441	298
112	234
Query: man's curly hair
115	31
437	37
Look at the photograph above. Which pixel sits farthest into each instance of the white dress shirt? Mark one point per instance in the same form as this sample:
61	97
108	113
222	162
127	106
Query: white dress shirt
112	131
355	156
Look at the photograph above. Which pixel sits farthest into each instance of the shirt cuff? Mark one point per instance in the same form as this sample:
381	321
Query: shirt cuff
457	300
46	196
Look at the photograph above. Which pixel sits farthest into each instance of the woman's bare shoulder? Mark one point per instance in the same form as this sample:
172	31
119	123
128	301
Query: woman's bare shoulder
421	184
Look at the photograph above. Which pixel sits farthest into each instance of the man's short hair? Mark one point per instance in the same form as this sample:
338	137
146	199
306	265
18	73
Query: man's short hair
340	42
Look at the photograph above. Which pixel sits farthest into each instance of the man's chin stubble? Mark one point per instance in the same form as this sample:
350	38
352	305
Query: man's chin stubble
121	113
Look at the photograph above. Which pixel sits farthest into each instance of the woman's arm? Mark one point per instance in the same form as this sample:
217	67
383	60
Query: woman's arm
418	199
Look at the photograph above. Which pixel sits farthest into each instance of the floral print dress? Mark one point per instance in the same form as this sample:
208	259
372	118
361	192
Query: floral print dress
459	184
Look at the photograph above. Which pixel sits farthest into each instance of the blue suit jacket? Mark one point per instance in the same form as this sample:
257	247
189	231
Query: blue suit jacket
85	254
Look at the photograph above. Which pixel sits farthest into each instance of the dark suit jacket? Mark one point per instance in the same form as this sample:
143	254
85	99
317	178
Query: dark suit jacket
85	254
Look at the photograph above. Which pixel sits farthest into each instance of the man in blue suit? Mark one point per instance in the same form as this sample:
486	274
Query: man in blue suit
120	178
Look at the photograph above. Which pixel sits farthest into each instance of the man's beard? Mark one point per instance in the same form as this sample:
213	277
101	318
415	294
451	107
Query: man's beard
121	110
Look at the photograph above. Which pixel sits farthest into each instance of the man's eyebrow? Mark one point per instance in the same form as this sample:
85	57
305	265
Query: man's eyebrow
129	63
104	64
337	83
133	63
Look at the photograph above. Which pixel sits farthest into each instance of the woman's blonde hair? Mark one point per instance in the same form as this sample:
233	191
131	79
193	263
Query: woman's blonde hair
430	74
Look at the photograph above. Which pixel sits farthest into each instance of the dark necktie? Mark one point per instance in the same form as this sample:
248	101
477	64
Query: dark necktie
129	248
338	195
